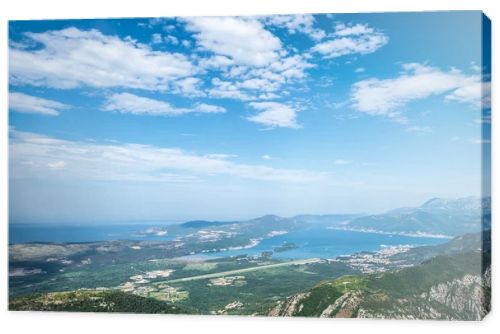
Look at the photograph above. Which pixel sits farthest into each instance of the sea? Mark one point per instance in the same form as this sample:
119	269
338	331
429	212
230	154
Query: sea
319	242
24	233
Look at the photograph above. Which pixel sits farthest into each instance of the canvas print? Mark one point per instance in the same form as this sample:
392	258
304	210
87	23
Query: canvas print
326	165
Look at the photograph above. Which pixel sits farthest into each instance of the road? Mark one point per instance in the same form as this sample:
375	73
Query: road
239	271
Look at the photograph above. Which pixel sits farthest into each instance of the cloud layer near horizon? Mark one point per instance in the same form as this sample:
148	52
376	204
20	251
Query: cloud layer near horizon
43	156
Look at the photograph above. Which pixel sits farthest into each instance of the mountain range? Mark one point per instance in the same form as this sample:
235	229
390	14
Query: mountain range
437	216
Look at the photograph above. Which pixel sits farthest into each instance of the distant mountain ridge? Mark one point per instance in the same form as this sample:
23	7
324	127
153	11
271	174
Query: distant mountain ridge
435	217
204	223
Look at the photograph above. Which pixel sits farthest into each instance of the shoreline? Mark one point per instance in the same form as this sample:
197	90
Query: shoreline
404	234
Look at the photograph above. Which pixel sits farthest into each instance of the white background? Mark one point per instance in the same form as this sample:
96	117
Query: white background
118	323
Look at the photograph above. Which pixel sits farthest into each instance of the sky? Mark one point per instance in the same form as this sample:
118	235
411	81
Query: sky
173	119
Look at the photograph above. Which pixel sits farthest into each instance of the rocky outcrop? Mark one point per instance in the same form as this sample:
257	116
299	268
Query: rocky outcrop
290	307
344	307
465	298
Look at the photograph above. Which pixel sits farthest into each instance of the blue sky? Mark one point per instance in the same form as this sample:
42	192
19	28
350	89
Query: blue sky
228	118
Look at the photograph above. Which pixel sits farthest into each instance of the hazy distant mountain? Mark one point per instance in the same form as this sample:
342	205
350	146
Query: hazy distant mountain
466	205
204	223
327	219
436	216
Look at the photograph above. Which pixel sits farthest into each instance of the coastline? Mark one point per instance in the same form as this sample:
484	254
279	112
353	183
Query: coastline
405	234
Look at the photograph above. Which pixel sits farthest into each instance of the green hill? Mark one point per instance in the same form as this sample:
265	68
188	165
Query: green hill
444	287
92	301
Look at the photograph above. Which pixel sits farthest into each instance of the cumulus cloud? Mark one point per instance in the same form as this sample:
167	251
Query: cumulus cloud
416	81
72	58
216	62
244	40
342	29
259	83
172	40
250	62
274	114
190	87
156	39
474	91
36	156
351	39
227	90
34	105
298	23
127	103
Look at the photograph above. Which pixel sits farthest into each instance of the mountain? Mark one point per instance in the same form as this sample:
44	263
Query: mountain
452	287
326	219
466	205
267	221
437	216
462	244
204	223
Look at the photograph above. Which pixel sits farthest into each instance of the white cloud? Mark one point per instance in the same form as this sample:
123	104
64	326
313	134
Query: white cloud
72	58
172	40
156	39
169	28
227	90
347	40
244	40
384	96
190	87
132	104
342	162
217	62
266	157
286	68
342	29
359	70
473	91
57	165
303	23
259	83
274	114
208	108
246	61
34	105
36	156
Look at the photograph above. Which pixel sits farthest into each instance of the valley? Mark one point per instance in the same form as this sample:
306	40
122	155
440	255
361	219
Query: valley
266	266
